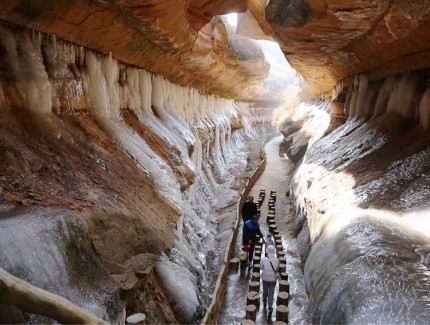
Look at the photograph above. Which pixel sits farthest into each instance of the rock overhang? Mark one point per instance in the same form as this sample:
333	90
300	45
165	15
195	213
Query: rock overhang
333	41
328	42
176	39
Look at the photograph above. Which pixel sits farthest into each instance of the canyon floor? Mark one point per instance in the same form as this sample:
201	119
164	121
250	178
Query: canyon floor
276	177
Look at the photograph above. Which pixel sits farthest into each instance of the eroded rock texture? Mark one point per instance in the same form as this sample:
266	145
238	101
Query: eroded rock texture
331	41
115	167
171	38
130	161
361	198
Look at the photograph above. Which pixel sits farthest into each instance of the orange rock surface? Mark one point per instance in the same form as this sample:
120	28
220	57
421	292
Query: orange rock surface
334	40
326	41
171	38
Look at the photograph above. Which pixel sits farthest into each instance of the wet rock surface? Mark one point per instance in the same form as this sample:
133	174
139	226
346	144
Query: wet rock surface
368	249
332	41
175	39
276	177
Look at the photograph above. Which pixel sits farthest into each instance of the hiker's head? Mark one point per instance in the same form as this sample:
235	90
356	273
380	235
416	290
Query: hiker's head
255	219
271	250
250	198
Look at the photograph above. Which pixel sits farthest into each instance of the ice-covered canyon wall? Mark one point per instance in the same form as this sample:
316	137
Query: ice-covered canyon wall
361	186
360	193
105	167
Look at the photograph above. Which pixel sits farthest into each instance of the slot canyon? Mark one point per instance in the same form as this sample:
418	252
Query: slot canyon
130	130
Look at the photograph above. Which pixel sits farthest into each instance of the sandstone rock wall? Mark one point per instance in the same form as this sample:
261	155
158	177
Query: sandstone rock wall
171	38
122	149
360	197
333	41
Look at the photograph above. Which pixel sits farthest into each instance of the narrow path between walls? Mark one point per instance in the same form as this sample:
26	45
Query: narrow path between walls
276	177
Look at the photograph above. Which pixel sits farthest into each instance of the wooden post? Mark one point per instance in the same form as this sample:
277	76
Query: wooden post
282	313
281	254
253	298
270	221
25	296
138	318
272	229
277	238
256	260
251	312
284	276
254	286
284	286
234	263
279	248
247	322
282	298
256	268
282	267
278	322
255	276
282	259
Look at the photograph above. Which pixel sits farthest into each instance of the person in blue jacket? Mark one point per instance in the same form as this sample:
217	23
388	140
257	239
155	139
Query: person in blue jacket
251	229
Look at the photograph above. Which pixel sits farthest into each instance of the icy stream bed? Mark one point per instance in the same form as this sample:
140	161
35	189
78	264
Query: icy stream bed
276	177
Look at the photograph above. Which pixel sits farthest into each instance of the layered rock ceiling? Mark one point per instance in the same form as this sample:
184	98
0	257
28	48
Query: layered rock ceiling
326	41
116	147
171	38
334	40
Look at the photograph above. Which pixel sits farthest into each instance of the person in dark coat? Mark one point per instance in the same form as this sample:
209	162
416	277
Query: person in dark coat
249	209
251	229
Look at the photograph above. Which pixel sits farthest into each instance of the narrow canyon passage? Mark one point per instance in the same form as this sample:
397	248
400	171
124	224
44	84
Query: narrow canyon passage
128	130
276	177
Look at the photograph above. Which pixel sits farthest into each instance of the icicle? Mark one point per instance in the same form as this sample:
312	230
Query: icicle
158	96
82	57
133	84
402	98
25	64
360	109
424	110
384	96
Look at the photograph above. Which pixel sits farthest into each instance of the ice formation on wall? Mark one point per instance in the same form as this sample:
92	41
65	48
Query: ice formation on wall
360	199
57	78
51	247
397	95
